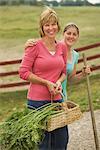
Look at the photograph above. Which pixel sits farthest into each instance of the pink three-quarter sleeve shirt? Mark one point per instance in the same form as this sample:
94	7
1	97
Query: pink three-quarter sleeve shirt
39	61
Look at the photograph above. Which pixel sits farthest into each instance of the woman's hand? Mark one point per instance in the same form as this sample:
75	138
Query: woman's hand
51	86
30	43
86	70
58	88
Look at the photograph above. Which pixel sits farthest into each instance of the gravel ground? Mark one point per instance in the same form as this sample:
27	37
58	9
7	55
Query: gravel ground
81	132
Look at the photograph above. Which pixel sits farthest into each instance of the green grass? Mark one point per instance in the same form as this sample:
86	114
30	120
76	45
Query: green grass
21	23
10	101
17	24
79	93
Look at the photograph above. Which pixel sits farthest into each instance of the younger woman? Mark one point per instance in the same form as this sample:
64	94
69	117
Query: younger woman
71	35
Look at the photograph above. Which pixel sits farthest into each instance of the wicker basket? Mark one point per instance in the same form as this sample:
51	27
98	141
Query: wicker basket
67	116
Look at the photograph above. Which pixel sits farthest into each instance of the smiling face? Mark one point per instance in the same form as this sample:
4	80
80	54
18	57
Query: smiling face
49	23
71	34
50	29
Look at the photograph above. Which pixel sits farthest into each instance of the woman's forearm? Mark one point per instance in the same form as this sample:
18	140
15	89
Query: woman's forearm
77	77
58	83
35	79
62	78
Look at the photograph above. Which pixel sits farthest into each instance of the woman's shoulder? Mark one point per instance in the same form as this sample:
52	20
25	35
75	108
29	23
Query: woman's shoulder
75	53
75	56
62	45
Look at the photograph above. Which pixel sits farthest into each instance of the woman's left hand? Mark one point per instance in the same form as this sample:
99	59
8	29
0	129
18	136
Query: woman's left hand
58	88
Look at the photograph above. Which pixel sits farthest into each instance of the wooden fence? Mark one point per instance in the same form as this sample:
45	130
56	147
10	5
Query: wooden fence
18	61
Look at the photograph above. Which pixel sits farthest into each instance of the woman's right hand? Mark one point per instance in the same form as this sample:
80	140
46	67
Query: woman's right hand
51	87
86	70
30	42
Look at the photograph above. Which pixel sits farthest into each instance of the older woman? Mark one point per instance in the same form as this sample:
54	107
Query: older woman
44	65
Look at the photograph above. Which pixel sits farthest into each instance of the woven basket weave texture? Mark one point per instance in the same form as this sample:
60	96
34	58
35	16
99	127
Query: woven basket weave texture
64	118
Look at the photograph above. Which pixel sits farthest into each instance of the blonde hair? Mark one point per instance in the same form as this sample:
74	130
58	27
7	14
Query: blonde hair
46	16
71	25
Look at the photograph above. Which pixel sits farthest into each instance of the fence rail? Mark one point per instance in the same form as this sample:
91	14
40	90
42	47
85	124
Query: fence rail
84	48
18	61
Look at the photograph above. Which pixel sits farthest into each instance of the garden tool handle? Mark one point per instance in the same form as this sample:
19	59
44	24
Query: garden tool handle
91	107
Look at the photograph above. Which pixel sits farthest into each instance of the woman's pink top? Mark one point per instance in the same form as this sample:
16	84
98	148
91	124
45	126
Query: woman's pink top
39	61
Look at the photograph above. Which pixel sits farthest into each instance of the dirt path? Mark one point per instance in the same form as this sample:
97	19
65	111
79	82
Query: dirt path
81	133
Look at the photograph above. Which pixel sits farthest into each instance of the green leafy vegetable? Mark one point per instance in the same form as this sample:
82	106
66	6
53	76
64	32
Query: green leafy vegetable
24	130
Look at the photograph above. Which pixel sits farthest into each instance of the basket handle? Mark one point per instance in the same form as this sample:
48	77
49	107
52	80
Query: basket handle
64	105
52	96
63	96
